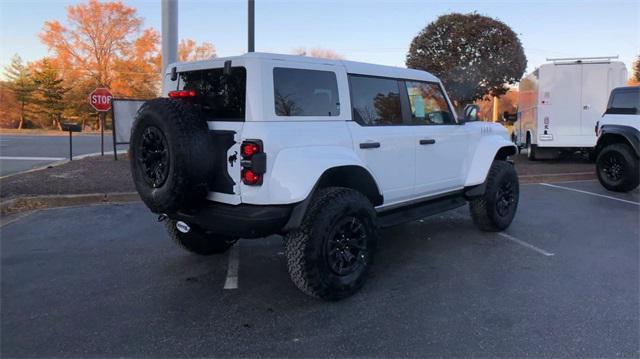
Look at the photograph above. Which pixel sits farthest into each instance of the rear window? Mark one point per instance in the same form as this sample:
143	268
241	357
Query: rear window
220	97
299	92
624	102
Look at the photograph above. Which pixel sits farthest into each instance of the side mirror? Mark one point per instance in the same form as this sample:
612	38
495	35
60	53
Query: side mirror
471	113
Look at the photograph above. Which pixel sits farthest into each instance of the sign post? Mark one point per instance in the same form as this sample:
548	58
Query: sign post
100	99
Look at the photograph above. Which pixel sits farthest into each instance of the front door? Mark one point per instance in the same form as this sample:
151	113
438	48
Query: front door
441	144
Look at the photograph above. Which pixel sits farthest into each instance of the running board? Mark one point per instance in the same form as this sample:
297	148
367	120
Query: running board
420	210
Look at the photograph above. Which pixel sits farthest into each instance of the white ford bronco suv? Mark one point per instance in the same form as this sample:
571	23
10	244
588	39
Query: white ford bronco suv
618	145
322	152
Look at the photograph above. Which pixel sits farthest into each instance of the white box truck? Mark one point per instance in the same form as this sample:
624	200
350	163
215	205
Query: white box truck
560	102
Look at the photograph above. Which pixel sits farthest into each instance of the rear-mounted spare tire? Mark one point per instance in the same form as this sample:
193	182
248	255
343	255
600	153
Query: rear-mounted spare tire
170	155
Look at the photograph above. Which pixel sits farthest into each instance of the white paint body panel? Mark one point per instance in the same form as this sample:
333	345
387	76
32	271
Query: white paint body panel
301	148
566	100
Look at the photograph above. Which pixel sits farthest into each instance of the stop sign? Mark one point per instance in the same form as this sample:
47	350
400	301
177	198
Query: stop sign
100	99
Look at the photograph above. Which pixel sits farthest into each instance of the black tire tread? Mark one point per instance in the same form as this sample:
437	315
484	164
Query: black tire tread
305	275
633	162
187	176
478	206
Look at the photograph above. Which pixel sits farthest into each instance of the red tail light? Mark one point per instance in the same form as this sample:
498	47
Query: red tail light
250	178
249	148
254	162
182	94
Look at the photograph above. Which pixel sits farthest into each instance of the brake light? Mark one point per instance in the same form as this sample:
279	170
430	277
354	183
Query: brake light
250	178
254	162
182	94
249	148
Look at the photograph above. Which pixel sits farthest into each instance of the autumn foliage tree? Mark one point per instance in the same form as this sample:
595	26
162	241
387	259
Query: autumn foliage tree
102	44
473	55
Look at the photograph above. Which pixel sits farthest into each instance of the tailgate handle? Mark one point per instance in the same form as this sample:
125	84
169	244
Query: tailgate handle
429	141
366	145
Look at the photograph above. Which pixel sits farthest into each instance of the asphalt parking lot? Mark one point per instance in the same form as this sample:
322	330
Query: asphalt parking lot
562	281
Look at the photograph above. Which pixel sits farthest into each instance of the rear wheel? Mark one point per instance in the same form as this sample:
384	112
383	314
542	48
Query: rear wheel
329	256
531	150
495	209
617	168
198	241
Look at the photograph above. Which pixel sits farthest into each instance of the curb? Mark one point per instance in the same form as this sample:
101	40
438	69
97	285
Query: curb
22	204
62	162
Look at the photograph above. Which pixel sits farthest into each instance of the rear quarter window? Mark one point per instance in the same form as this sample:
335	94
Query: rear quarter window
301	92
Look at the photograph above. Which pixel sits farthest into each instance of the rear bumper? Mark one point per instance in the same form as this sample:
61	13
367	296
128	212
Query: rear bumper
237	221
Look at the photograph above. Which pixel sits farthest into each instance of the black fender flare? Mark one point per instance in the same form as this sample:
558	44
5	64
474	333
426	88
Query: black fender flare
630	134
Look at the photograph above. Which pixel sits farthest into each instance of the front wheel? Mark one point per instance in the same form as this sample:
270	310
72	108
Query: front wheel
196	240
617	168
495	209
329	256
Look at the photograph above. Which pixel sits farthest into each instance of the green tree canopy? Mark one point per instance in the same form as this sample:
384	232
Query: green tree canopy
49	97
473	55
20	83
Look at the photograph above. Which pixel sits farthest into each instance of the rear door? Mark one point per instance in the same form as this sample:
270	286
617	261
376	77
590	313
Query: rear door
381	136
559	100
597	83
221	99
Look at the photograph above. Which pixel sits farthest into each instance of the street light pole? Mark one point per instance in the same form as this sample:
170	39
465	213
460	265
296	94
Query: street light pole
169	33
252	27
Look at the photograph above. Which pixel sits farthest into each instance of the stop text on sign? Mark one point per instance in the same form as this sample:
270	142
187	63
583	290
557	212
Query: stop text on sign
100	99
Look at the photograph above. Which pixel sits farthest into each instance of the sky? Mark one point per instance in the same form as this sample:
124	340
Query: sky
375	31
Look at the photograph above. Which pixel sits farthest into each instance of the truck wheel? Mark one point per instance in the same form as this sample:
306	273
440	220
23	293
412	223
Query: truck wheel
531	150
617	168
170	155
495	209
329	256
198	241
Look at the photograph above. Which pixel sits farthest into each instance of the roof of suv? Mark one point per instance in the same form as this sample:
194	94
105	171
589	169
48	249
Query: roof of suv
353	67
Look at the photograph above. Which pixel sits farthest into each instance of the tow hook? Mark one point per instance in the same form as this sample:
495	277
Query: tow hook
183	227
162	217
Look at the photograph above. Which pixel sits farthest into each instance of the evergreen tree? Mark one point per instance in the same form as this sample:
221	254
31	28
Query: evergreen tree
19	81
49	96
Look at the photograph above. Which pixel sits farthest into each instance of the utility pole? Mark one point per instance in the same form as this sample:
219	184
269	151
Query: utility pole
251	28
169	33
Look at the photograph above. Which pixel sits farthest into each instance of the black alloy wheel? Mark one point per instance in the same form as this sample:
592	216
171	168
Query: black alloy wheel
153	156
505	198
346	248
613	166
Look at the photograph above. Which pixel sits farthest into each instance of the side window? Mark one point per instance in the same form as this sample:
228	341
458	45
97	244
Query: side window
428	104
299	92
625	102
375	101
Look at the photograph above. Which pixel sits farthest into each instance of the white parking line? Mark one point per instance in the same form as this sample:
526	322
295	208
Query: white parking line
591	193
32	158
525	244
232	269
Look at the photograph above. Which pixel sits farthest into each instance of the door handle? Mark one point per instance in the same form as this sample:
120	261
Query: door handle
429	141
366	145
